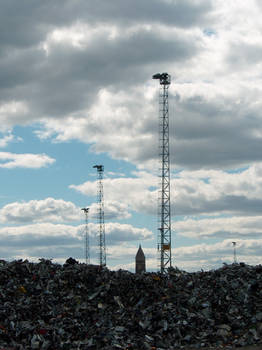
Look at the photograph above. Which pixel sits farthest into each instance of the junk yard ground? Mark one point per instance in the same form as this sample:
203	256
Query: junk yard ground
79	306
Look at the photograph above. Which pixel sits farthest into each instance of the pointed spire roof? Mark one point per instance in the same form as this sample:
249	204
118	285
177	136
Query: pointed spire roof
140	254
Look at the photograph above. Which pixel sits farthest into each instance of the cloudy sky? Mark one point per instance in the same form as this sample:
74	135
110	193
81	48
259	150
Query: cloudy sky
76	90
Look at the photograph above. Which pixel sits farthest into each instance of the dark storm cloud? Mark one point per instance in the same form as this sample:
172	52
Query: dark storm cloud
219	152
25	22
33	244
184	14
65	79
18	68
218	133
72	73
68	78
229	204
215	134
31	240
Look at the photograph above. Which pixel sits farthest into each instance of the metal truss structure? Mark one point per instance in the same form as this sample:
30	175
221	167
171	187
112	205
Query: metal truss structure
164	213
87	252
101	220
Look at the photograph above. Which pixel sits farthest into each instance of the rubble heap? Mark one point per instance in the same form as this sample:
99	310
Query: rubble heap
77	306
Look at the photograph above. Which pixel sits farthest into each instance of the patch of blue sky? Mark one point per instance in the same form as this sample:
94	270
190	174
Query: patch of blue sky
200	217
140	220
73	165
209	32
237	170
206	180
175	172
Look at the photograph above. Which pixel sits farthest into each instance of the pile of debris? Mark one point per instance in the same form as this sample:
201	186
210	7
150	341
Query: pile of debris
78	306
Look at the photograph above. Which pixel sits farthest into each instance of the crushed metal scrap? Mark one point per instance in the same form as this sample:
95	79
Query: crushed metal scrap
78	306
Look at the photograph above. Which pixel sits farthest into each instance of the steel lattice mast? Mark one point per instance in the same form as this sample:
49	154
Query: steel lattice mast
235	252
101	220
164	234
87	252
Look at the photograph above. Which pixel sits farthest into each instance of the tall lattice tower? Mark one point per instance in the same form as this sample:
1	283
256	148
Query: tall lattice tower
101	220
87	252
164	212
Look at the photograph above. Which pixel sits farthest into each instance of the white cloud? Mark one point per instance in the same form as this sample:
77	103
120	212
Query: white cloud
222	227
61	241
127	121
205	192
116	233
31	234
190	258
131	192
210	256
123	232
36	211
106	77
213	191
117	251
8	138
39	231
26	160
43	240
113	210
79	35
12	112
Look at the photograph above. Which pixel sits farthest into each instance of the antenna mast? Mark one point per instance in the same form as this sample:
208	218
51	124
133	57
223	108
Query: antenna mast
235	253
164	235
87	253
101	220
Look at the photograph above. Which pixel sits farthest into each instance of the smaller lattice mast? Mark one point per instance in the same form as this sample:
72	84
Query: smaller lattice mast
101	220
87	252
235	252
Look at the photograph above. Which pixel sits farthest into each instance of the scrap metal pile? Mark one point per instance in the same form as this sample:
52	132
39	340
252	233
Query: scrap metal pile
77	306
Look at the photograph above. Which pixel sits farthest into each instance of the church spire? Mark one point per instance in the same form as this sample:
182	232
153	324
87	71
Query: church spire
140	260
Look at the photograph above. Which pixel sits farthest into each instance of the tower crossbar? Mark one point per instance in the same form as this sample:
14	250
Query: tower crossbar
164	210
101	220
